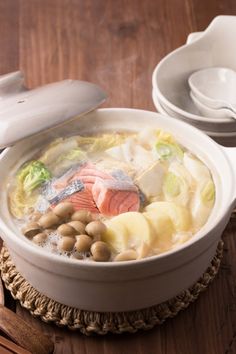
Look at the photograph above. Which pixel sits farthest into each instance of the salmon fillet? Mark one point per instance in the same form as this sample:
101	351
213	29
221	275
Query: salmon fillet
114	197
83	201
101	193
89	174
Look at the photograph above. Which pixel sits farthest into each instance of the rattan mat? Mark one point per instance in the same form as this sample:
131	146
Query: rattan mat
88	322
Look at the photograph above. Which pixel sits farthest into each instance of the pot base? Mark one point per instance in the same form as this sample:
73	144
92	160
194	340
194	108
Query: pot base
88	322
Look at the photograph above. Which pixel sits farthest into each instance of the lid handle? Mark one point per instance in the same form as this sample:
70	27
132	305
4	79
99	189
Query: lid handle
11	83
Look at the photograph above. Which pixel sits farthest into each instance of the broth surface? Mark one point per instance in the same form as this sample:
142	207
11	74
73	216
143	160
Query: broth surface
112	196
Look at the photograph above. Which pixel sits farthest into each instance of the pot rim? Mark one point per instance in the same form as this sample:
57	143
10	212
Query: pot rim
38	251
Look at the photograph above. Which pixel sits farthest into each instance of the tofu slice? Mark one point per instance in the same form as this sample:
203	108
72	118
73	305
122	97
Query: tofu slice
151	180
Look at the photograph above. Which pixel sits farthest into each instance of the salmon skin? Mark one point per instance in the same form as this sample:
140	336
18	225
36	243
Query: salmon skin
73	187
88	174
63	181
121	176
51	188
88	188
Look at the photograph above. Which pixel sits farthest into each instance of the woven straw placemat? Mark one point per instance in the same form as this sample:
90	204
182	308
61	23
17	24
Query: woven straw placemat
88	322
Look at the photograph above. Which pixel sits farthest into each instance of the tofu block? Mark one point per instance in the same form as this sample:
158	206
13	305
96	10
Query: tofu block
151	180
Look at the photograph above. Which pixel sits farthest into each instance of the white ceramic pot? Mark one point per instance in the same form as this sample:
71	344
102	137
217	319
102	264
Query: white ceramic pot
127	285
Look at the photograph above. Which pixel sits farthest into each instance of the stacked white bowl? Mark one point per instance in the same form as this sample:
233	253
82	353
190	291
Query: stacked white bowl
171	91
213	92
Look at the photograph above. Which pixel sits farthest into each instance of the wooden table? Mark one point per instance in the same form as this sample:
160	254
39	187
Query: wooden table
116	44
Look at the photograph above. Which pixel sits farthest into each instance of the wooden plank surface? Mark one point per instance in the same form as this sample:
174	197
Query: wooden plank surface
117	44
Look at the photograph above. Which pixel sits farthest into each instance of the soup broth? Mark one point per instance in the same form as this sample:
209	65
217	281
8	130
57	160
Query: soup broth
111	196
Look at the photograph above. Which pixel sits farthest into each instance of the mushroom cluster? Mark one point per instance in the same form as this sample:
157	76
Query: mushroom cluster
78	231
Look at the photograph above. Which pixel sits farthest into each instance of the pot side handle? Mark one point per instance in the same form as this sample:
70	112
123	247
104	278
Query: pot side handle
230	152
11	84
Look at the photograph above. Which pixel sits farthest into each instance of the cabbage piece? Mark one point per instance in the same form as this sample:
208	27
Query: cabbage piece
117	152
147	137
73	155
172	185
142	158
202	203
204	196
23	194
164	136
208	193
132	153
179	215
110	165
32	175
20	202
93	144
166	147
167	150
67	160
56	149
196	168
177	184
179	170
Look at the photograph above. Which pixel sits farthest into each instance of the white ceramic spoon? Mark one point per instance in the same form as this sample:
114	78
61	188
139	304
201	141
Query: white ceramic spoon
215	88
206	111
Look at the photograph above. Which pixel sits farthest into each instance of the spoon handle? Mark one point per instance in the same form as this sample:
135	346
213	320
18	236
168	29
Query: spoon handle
11	347
23	334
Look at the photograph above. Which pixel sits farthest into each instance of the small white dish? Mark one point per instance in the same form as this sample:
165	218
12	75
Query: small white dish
215	88
211	112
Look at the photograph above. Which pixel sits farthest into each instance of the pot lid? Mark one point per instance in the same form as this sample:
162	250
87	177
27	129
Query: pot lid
26	112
